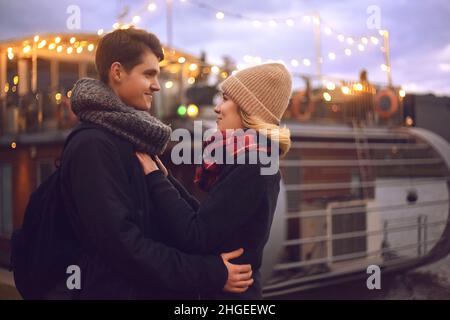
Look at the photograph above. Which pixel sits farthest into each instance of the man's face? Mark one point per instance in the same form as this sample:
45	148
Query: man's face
136	87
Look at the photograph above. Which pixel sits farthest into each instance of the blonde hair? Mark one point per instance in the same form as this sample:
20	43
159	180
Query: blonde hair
273	131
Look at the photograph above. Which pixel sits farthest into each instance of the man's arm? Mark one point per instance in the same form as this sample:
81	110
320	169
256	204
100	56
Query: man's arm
228	207
100	189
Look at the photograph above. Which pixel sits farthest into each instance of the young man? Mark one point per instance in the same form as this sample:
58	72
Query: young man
123	253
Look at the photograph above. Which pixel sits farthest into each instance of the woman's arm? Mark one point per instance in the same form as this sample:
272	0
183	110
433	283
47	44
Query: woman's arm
230	205
190	199
151	165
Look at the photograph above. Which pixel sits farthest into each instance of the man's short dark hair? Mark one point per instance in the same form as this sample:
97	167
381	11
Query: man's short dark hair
127	47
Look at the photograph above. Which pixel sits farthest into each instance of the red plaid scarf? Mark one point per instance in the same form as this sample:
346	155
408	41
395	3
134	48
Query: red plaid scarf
235	144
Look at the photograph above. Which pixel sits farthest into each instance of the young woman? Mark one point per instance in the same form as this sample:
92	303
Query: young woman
241	201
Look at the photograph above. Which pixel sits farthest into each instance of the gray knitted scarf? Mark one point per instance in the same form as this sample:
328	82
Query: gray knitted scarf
95	102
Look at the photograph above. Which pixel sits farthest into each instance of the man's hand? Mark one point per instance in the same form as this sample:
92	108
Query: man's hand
147	163
239	276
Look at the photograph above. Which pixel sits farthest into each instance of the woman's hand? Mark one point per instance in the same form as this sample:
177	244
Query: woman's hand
161	166
147	162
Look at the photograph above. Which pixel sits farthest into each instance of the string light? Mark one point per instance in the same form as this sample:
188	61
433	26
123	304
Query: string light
151	7
327	96
169	84
272	23
330	86
193	67
384	67
358	87
191	80
182	110
192	110
290	22
215	69
136	19
220	15
345	90
257	23
42	44
409	121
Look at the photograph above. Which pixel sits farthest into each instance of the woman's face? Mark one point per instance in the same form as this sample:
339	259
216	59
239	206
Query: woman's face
227	113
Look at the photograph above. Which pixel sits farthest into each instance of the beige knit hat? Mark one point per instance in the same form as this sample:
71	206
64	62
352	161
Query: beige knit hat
261	91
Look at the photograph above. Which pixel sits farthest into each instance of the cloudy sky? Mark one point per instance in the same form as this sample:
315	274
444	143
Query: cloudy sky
419	32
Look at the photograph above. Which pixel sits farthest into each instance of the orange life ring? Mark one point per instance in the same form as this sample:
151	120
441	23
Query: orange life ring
393	103
295	107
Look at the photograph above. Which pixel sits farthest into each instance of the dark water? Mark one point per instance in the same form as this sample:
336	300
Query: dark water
431	282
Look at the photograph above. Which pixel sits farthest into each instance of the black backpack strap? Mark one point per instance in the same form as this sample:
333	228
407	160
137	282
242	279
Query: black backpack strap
80	127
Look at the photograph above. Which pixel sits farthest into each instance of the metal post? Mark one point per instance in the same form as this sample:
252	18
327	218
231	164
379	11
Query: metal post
387	57
317	40
3	71
34	69
425	234
419	235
